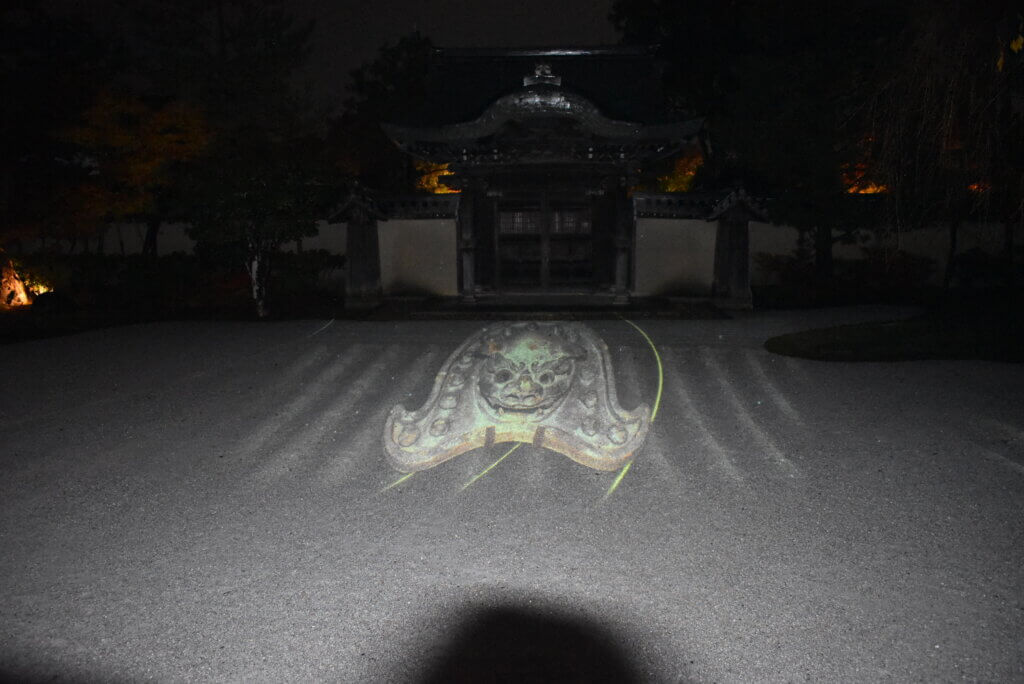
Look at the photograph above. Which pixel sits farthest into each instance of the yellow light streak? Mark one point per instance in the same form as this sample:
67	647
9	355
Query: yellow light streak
618	479
488	468
397	482
661	371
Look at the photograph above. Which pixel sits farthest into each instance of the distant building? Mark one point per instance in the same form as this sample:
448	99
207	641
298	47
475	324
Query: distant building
547	148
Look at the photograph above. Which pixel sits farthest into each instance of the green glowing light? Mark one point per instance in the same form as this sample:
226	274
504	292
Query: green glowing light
618	479
488	468
397	482
661	372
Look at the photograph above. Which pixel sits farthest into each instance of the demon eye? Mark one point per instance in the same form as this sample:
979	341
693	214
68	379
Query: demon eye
546	378
503	376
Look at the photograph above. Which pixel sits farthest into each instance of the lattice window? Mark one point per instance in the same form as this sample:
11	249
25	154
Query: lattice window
520	222
570	222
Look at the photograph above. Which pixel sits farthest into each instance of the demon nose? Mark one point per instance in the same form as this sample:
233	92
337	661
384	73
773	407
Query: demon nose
527	390
527	385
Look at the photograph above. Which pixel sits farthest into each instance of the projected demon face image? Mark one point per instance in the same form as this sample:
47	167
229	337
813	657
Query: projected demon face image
548	384
530	376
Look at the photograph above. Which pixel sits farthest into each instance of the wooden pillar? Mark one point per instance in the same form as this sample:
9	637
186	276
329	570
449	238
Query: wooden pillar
467	245
731	287
545	239
496	243
623	244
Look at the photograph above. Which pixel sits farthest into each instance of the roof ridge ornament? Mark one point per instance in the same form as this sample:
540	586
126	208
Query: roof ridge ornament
542	76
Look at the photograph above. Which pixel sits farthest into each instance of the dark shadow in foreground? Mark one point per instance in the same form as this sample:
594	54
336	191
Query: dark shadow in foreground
513	644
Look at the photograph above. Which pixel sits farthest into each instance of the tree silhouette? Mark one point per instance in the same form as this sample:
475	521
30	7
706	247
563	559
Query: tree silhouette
255	194
380	91
262	181
945	124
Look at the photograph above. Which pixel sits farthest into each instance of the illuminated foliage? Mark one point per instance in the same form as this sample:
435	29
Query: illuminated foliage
431	178
682	176
130	148
13	291
1015	45
857	182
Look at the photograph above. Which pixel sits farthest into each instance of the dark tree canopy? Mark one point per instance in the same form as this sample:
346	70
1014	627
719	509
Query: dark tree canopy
944	123
775	79
780	83
237	58
50	70
378	91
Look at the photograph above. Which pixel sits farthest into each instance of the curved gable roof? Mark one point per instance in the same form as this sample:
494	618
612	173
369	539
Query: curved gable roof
544	101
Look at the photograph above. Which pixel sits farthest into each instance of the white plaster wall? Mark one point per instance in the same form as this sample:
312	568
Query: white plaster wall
131	235
330	237
418	256
674	257
174	238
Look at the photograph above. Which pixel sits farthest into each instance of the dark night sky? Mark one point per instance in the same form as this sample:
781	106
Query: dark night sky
349	32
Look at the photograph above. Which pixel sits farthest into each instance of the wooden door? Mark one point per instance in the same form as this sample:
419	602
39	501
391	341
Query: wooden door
545	242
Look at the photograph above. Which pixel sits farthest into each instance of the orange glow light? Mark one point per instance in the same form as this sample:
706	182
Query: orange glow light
866	189
431	178
856	182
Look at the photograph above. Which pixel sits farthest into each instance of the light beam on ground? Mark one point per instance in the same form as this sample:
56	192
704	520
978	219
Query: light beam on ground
618	479
488	468
319	330
397	482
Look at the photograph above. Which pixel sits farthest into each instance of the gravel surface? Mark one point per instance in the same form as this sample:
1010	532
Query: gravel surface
208	502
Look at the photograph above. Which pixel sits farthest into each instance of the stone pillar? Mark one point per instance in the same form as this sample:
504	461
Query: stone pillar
731	287
362	257
362	264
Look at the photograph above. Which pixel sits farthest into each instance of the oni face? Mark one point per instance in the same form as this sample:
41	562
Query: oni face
528	375
546	384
